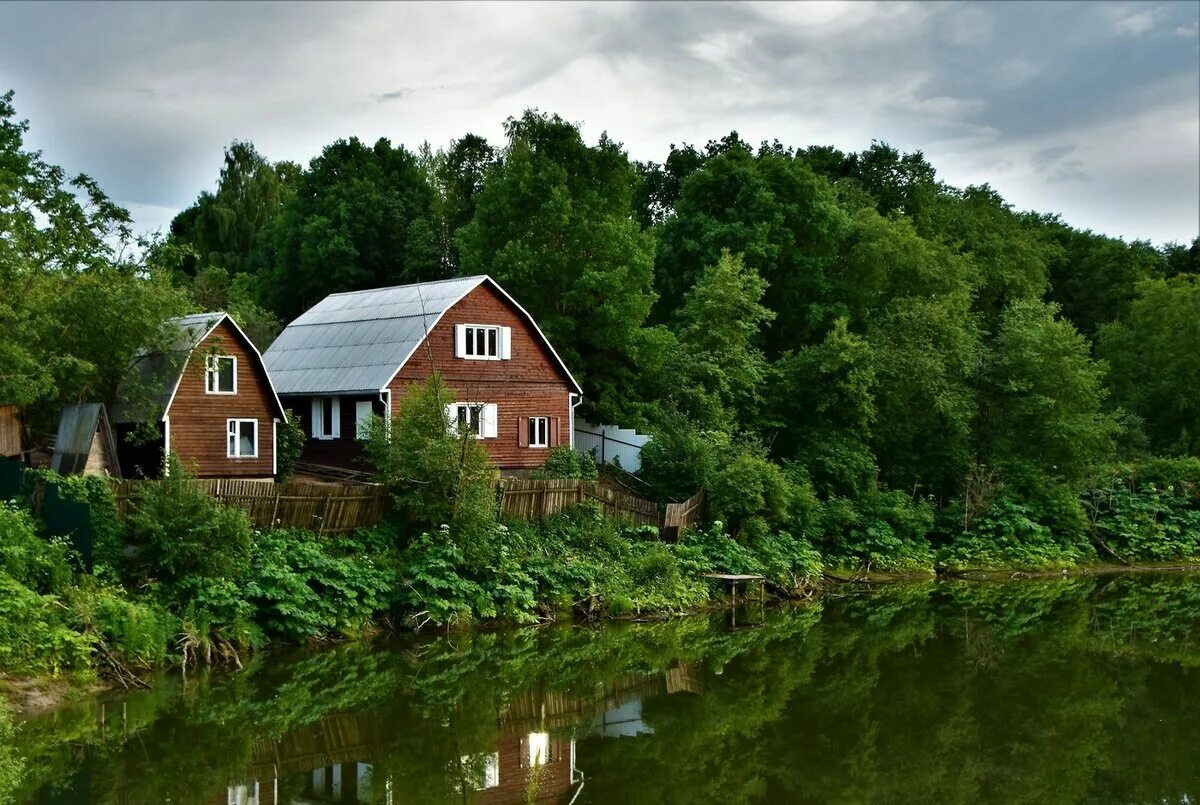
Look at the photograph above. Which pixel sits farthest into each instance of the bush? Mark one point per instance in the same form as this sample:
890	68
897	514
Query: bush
681	458
1148	522
184	532
752	494
35	637
291	438
565	462
135	633
28	557
305	587
1008	536
880	530
108	533
436	476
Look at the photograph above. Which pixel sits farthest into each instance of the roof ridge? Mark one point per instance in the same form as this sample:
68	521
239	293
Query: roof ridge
411	285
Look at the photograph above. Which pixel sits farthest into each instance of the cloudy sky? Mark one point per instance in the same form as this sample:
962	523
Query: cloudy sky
1089	110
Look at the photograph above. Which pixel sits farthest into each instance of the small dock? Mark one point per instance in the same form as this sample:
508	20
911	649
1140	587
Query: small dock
732	580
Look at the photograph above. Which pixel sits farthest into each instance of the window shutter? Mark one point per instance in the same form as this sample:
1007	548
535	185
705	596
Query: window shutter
490	427
315	427
505	343
523	431
337	417
452	418
554	420
460	340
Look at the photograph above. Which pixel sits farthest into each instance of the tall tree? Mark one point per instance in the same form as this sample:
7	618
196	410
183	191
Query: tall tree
554	225
221	227
1155	359
360	218
74	307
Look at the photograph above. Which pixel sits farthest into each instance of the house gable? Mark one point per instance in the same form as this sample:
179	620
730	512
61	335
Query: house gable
197	421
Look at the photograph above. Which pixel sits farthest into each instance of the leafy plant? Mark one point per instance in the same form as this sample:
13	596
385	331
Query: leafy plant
565	462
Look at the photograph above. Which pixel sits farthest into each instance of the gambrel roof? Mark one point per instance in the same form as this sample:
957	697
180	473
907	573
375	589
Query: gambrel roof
355	342
155	376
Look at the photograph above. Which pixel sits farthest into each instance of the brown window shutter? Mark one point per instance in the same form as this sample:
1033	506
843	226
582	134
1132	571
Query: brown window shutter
554	431
523	431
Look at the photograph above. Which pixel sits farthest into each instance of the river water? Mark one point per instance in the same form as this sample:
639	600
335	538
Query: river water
1080	690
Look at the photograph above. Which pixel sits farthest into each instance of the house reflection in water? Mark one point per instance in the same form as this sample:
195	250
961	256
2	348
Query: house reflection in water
533	760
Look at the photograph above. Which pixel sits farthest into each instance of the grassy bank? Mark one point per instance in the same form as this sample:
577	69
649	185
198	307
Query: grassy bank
185	581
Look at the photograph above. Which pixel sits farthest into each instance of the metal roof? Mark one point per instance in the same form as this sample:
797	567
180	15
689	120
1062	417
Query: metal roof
153	377
356	342
77	428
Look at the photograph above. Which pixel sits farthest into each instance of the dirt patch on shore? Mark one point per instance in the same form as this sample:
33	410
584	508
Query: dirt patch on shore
31	695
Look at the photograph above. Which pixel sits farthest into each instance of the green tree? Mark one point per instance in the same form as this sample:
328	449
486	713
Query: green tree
222	227
74	306
437	476
553	224
1043	398
360	218
719	329
1155	360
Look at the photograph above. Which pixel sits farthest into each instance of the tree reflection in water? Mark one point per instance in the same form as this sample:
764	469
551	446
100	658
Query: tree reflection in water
1050	691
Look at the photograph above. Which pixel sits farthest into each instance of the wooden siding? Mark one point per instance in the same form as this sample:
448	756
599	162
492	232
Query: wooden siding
530	383
344	452
198	419
10	431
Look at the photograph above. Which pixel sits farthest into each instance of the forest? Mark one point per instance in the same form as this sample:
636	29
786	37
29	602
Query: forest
837	346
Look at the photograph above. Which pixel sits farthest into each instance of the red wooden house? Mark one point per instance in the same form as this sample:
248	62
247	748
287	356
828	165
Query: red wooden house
210	400
354	354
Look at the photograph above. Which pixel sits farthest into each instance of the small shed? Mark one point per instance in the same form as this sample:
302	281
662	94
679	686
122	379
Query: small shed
10	430
85	443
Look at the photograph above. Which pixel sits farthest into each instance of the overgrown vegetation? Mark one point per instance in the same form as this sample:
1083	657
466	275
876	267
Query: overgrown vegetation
863	367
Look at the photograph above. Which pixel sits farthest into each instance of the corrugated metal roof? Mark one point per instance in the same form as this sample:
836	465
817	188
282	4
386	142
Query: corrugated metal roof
356	341
76	428
152	376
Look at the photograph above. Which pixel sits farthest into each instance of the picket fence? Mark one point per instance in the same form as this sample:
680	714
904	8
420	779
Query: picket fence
325	509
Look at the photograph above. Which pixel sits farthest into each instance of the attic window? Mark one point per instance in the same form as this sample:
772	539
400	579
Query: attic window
482	342
221	377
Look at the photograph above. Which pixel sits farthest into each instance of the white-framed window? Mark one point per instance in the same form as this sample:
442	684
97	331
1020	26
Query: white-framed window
362	419
538	744
242	439
326	418
482	342
478	419
539	431
220	376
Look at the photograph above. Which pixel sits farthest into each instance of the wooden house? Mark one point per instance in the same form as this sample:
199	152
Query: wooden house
10	430
85	444
208	400
355	354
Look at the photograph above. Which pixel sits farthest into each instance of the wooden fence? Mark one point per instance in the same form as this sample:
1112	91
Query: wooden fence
330	509
683	515
325	509
534	499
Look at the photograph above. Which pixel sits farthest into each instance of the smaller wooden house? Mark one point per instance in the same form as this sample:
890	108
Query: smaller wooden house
208	400
85	444
10	430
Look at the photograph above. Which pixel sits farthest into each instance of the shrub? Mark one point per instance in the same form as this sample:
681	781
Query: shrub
436	476
1008	536
108	533
565	462
751	493
304	587
290	444
135	633
184	532
1147	522
35	637
681	458
879	530
28	557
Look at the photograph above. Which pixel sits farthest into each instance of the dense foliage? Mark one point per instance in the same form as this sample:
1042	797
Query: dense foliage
843	351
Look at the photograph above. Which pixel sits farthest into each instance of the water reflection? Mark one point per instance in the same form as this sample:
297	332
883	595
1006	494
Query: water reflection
1063	691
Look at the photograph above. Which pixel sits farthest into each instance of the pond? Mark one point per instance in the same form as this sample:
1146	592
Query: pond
1071	690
